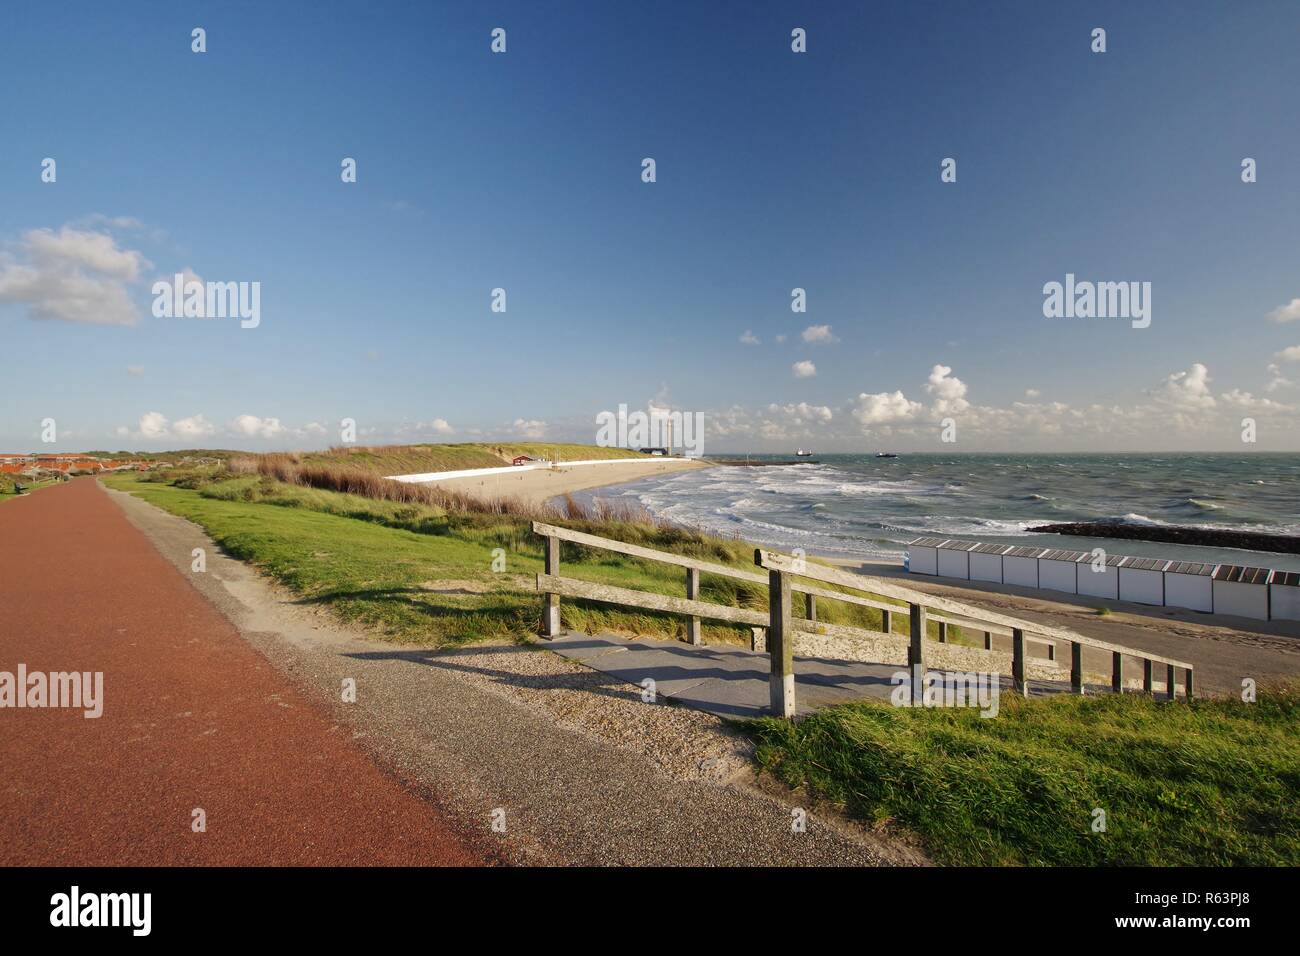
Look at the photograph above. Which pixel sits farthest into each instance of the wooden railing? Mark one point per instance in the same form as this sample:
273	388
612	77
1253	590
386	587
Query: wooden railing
780	624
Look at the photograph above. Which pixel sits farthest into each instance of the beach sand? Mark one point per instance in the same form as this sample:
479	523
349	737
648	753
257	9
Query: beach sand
541	485
1223	649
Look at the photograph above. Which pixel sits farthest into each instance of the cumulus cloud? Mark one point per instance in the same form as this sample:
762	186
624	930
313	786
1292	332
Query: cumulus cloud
882	408
73	275
154	426
804	369
1286	313
1289	354
949	392
819	335
252	426
526	428
1189	389
749	338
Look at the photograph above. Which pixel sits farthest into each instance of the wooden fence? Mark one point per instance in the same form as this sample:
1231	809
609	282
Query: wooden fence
786	575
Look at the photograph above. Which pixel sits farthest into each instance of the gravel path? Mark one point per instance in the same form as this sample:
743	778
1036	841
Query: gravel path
578	768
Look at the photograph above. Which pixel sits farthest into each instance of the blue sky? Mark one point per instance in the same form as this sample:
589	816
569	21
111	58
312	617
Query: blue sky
775	170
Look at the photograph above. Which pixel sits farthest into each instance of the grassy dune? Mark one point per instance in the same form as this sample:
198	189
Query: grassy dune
418	572
418	459
1207	784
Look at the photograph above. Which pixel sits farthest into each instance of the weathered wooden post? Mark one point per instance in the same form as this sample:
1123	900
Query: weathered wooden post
1188	674
811	600
1169	680
943	632
551	602
916	651
886	622
1076	667
1117	672
1018	678
1148	685
780	644
693	594
988	640
758	639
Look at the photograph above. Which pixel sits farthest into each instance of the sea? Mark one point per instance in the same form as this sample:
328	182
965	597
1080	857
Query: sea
862	506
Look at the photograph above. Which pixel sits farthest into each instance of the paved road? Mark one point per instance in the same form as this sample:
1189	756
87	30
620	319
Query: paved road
193	717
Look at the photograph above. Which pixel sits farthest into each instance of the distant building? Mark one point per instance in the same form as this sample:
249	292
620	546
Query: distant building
521	460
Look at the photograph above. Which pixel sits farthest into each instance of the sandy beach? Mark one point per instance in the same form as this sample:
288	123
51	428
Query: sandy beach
537	486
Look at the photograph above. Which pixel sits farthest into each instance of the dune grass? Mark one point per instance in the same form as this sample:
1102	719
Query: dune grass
1212	783
419	572
418	459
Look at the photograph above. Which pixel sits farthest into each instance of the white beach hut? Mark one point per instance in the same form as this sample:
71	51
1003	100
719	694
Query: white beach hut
1241	591
1142	580
954	558
1284	596
986	562
1020	566
923	555
1100	580
1189	584
1059	570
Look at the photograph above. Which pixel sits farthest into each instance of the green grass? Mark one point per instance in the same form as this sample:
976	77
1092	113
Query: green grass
396	567
1208	784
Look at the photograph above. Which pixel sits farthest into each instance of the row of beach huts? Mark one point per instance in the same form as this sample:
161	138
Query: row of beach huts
1261	593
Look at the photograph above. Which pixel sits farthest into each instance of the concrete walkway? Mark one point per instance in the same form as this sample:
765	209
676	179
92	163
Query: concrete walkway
732	682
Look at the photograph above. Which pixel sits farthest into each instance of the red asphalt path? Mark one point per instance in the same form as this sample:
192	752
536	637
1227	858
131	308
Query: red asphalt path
193	717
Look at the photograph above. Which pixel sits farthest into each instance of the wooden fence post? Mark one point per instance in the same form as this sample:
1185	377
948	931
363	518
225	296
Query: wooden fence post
1188	674
758	639
551	602
1148	685
1117	672
1076	667
943	632
916	650
693	594
1018	662
1169	679
811	600
780	644
988	640
886	622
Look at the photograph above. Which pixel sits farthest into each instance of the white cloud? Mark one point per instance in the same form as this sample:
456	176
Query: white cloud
802	413
154	426
254	427
1032	393
804	369
880	408
949	392
529	429
819	335
1188	390
780	339
135	371
1286	313
1276	378
749	338
72	275
1289	354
